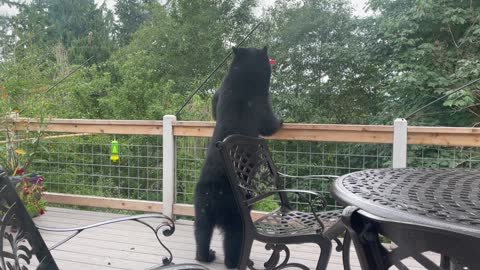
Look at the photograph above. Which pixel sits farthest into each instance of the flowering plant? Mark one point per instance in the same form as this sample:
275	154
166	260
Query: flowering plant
30	190
16	162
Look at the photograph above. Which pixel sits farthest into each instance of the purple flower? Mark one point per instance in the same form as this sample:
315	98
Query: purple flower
36	179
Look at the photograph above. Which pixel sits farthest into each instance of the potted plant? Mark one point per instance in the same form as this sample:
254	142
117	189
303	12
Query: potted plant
30	190
16	162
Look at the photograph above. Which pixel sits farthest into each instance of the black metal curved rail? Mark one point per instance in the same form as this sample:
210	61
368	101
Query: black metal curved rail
167	228
21	240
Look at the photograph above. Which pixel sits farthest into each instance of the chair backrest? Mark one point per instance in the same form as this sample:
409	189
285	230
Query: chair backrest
20	238
250	169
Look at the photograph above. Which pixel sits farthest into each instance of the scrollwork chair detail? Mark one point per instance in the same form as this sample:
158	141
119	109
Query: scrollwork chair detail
21	239
254	177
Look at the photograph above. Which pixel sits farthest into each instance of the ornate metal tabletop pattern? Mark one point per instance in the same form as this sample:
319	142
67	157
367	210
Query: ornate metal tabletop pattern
419	209
442	195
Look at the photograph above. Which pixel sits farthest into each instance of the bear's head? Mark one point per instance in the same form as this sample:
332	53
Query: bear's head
252	66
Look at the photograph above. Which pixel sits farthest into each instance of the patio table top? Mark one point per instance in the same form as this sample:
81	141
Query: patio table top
442	198
420	209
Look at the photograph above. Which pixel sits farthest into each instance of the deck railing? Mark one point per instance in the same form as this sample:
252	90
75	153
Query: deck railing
169	178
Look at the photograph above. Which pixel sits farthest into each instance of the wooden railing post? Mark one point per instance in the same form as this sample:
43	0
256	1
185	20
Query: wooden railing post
399	158
400	144
169	176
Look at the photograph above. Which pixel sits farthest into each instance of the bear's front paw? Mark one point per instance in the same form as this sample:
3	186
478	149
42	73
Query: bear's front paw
209	258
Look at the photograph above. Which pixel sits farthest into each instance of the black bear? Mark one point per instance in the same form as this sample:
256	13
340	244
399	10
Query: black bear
241	106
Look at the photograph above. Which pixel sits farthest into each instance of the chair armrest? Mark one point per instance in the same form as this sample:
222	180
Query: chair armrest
278	191
298	192
167	228
101	223
326	178
313	176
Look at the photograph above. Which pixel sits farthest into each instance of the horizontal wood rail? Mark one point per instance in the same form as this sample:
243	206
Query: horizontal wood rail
124	204
302	132
181	209
94	126
111	203
49	137
447	136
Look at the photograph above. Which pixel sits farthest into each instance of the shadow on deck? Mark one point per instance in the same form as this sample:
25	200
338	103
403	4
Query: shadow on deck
130	245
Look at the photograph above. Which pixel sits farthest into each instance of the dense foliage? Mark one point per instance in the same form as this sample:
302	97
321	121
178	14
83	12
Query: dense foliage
426	48
141	59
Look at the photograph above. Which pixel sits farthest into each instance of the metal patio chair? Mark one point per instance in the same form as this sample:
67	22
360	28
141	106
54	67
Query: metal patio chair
254	177
21	240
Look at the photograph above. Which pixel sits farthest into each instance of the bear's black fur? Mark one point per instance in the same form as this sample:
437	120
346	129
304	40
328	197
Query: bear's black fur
241	106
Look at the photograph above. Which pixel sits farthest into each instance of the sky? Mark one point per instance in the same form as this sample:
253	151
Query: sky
357	4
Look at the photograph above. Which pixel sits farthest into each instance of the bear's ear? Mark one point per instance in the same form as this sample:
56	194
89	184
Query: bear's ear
265	49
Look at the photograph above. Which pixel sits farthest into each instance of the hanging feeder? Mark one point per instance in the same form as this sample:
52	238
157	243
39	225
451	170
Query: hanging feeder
114	155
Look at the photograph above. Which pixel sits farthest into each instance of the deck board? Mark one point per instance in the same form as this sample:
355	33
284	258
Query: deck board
129	245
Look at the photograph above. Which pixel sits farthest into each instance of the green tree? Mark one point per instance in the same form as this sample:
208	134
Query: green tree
82	28
6	38
25	28
171	54
131	15
24	87
424	48
323	73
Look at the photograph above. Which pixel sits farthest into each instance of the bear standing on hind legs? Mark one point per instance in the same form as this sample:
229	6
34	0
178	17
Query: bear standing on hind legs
241	106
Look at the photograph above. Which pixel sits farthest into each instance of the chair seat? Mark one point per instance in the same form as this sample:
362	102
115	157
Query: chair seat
292	223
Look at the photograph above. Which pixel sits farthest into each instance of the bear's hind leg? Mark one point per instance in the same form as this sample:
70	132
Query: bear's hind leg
232	244
203	236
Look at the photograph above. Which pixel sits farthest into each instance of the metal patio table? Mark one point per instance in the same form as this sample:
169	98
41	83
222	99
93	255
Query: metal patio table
420	210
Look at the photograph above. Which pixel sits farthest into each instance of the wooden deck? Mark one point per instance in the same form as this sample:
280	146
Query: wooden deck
130	245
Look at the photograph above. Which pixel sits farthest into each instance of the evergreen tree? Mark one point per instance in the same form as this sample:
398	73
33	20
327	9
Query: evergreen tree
131	15
82	28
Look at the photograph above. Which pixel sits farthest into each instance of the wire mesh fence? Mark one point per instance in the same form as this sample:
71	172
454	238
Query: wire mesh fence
428	156
191	153
294	158
82	165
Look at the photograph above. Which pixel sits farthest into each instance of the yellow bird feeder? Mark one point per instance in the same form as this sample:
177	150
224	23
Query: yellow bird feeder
114	155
